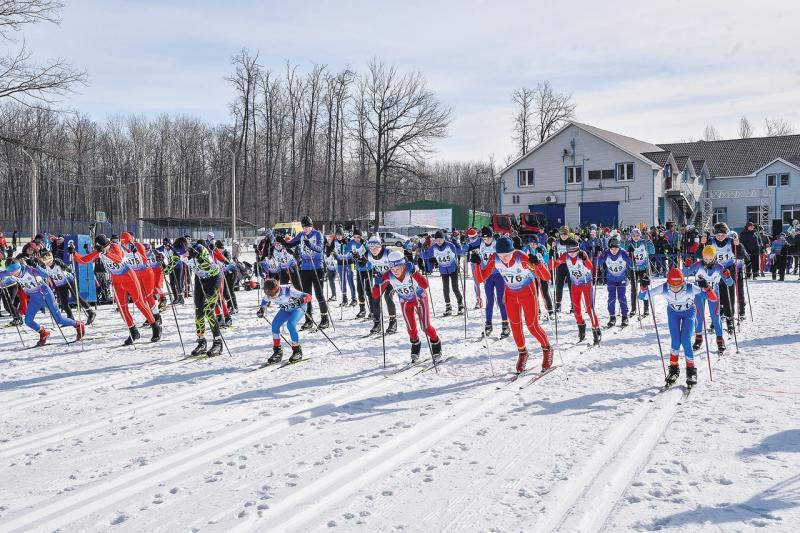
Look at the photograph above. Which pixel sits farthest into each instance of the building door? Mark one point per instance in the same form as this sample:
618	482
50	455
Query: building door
554	213
661	208
600	213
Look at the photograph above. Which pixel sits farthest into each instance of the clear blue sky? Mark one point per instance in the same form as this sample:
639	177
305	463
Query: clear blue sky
659	71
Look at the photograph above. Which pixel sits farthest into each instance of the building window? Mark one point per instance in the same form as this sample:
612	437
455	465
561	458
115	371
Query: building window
784	180
574	174
720	214
595	174
753	214
685	176
624	171
772	180
790	212
668	170
525	178
608	174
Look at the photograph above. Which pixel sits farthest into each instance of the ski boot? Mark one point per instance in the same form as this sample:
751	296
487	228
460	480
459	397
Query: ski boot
216	348
632	313
260	312
547	358
227	321
612	321
200	349
691	376
297	354
698	341
332	298
376	327
597	335
179	300
277	355
558	307
729	325
624	322
673	375
415	348
720	345
344	301
308	324
43	335
742	316
132	337
353	302
17	321
522	360
646	311
505	330
90	316
581	332
448	310
478	304
80	330
156	327
460	310
362	312
392	326
550	314
436	350
324	321
487	330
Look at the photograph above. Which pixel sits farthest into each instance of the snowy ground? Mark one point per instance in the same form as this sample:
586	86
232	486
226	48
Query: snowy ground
122	439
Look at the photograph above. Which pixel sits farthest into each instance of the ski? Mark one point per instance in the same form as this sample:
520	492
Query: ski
284	364
538	376
514	378
408	366
432	366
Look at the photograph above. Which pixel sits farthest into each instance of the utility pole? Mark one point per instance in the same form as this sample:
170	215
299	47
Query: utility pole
34	194
233	192
140	187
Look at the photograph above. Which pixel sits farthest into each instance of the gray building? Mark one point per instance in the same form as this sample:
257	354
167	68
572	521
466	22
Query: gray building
583	174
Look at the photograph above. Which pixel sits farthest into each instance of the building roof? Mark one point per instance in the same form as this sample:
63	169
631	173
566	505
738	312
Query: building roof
629	144
660	158
739	157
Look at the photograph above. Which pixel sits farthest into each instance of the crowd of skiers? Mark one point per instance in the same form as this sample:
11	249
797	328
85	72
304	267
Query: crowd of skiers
524	277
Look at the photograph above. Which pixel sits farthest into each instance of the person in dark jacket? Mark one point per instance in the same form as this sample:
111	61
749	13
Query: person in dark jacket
752	245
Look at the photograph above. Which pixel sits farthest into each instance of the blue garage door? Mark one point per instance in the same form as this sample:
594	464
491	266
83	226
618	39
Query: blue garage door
605	213
554	213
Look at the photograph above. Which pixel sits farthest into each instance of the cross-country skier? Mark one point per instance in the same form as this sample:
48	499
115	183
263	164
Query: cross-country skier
580	269
447	256
519	272
708	275
357	250
292	304
62	280
137	258
286	263
473	241
681	313
410	287
730	255
640	251
124	281
309	245
559	250
344	270
493	284
378	257
330	272
33	281
617	263
205	294
540	250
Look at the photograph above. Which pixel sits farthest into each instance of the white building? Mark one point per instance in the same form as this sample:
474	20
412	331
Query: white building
583	175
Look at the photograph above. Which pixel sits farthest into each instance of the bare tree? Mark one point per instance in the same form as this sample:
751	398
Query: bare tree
22	79
711	133
523	132
745	130
402	118
552	110
778	126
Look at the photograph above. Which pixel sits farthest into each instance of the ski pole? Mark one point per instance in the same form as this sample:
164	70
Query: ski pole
655	325
264	316
383	333
77	296
323	332
705	333
322	290
464	296
749	305
175	314
13	318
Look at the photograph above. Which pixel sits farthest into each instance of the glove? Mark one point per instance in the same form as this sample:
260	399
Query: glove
255	247
260	312
71	249
726	273
307	299
475	259
702	283
583	255
534	259
362	261
687	262
306	241
644	283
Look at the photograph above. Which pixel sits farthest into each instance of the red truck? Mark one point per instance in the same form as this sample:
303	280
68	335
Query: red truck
529	223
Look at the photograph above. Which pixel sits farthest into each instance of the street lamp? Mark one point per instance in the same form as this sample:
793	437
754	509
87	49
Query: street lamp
34	194
233	192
